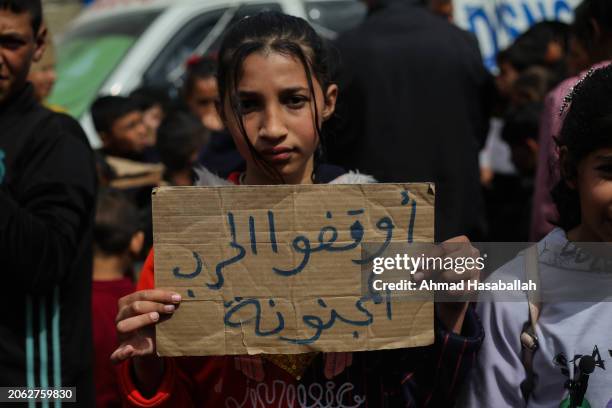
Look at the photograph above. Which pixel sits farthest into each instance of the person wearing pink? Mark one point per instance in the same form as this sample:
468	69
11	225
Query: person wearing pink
591	47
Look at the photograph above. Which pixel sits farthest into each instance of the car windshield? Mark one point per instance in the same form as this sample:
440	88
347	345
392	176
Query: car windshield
88	54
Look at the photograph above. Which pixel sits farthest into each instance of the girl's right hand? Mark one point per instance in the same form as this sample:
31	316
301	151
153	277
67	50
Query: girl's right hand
138	314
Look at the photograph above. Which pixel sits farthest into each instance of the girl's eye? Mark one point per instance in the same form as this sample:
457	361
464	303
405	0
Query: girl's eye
296	101
248	105
605	170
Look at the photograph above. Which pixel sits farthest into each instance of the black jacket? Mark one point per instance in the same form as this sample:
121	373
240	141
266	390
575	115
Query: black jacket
47	200
413	109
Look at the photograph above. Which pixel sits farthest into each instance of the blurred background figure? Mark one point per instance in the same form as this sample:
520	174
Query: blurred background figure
154	105
528	69
180	138
42	73
521	126
531	86
508	193
118	240
200	94
508	200
413	100
442	8
123	161
119	123
545	45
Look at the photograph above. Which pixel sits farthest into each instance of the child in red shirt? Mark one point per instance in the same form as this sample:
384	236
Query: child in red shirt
117	240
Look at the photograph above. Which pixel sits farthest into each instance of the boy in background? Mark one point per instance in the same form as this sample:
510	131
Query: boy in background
520	132
180	138
117	241
154	105
200	93
122	159
119	123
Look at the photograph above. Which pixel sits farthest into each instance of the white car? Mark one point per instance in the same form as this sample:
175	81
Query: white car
115	48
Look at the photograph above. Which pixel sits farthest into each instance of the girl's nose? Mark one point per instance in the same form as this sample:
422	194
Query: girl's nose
273	126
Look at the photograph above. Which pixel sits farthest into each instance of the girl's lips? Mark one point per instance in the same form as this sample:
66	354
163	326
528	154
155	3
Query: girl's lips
278	154
280	157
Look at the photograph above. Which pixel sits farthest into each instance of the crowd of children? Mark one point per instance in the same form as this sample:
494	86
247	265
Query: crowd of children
230	135
258	113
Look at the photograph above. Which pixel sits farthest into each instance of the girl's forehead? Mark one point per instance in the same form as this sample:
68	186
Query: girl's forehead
272	69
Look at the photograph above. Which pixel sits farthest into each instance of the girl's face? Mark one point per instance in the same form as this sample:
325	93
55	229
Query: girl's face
278	116
594	184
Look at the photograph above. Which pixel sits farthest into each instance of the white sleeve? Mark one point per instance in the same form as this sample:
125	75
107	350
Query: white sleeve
498	373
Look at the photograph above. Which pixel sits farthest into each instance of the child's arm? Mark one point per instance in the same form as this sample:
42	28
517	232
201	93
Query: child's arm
173	390
45	212
498	372
432	376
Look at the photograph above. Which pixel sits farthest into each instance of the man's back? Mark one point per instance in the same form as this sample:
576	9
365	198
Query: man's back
413	86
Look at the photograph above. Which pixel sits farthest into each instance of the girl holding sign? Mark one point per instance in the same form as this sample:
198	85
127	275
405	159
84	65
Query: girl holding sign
276	94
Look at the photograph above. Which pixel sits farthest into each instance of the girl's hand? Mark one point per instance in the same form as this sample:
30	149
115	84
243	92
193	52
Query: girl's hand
250	366
138	314
336	363
452	313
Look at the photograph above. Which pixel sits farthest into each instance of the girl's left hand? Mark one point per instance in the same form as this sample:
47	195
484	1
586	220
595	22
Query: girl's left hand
336	363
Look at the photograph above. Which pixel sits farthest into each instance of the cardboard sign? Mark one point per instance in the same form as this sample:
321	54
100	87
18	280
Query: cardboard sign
277	269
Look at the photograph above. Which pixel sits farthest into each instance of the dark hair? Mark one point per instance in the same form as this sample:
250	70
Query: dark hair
117	220
585	13
107	109
539	35
33	7
531	47
198	68
148	97
533	84
178	137
522	123
281	33
518	57
586	128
